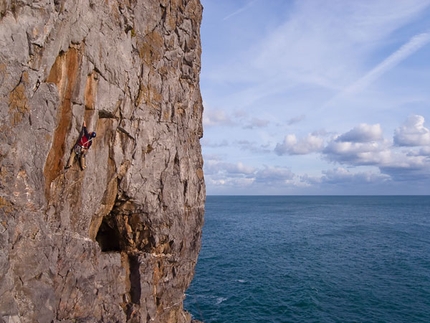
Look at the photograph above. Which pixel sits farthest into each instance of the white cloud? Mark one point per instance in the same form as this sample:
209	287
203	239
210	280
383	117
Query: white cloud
362	133
231	169
210	143
362	145
425	151
357	153
228	182
283	69
413	169
271	175
216	117
342	175
253	146
350	181
257	123
293	146
412	132
220	173
296	119
212	157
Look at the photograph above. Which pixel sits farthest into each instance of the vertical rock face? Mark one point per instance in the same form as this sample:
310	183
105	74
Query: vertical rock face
117	242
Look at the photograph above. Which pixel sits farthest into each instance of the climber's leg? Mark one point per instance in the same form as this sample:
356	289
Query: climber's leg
71	158
82	159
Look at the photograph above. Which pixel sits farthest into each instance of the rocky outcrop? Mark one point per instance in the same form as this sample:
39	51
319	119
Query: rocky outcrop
117	242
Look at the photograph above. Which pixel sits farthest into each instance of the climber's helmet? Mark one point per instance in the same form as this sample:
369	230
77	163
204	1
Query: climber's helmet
93	134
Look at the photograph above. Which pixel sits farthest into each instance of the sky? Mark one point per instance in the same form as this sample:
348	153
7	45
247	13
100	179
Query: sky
315	97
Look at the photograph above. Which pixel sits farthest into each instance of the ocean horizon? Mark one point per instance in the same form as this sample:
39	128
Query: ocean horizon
313	258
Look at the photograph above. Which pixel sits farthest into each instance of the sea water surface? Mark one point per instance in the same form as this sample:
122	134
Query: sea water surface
313	259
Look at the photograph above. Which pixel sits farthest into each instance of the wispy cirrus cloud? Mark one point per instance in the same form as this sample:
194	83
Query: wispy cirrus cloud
240	10
318	43
279	63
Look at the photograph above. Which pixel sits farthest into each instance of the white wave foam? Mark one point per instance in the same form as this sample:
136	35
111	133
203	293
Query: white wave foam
219	300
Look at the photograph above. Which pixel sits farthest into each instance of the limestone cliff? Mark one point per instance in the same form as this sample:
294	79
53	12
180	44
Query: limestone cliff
117	242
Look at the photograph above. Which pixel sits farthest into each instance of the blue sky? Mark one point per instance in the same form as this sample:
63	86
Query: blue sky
316	97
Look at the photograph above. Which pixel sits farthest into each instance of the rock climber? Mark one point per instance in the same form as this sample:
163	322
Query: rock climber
80	149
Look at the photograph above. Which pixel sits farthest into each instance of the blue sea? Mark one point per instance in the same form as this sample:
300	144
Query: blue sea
313	259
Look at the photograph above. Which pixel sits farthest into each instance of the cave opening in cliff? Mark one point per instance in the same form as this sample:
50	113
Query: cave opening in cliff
135	289
108	236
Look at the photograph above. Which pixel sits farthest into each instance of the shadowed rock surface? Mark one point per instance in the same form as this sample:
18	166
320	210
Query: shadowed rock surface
117	242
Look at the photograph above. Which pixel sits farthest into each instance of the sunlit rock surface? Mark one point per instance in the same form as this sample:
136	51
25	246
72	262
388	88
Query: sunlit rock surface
119	241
